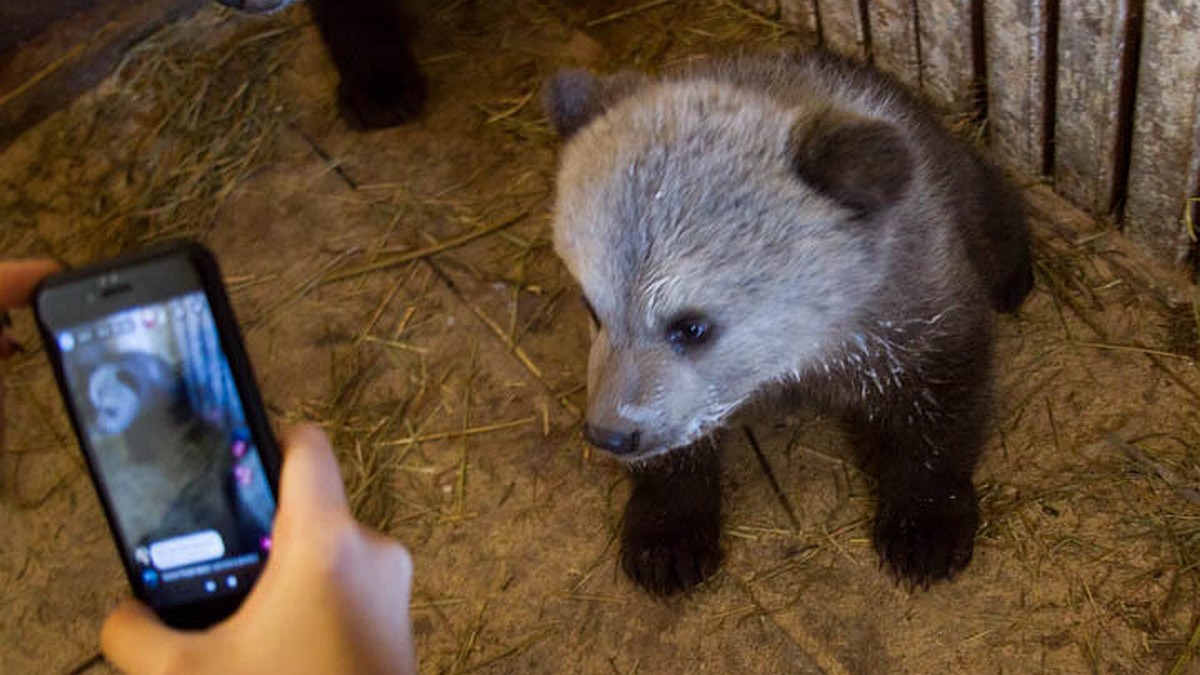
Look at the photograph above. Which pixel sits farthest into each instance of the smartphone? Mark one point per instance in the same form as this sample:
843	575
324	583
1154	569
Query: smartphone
150	363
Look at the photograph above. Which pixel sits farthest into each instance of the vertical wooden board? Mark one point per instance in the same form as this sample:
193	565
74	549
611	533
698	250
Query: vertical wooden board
947	63
1165	163
1090	43
893	44
1015	34
841	27
799	13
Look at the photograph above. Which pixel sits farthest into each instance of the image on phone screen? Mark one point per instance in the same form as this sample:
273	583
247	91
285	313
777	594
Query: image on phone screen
167	435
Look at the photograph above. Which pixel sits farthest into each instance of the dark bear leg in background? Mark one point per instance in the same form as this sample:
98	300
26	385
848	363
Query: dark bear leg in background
381	83
1001	254
670	538
1012	266
924	453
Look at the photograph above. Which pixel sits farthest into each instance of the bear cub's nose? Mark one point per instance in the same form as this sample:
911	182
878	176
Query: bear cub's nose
616	442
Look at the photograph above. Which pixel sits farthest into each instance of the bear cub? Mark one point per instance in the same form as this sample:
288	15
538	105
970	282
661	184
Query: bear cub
791	222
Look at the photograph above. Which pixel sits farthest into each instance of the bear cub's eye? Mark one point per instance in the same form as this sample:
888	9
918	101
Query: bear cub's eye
691	330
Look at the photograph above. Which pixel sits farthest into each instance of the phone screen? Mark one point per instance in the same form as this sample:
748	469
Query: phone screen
167	436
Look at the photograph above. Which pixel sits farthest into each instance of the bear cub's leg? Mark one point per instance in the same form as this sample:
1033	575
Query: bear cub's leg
927	511
670	537
381	82
926	517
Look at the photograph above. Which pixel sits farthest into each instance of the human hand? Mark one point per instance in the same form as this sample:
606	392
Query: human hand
333	597
18	278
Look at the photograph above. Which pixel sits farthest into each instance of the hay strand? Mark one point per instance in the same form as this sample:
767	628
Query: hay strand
460	433
1188	653
422	253
625	13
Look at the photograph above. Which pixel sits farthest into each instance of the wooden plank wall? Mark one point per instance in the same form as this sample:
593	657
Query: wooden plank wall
1165	166
840	24
894	45
1086	124
947	62
1099	97
1018	40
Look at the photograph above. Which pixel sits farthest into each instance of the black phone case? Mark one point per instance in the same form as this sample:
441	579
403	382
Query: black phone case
203	613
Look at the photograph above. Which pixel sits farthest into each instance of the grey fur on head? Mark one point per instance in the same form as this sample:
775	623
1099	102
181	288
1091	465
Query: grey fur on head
701	194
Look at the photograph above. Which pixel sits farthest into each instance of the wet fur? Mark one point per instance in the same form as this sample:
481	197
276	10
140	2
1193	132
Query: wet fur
894	247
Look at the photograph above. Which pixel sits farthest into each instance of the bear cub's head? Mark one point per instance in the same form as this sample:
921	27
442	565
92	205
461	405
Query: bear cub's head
724	241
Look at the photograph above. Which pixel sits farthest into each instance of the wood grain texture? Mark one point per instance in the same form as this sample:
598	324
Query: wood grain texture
1165	167
841	27
894	41
72	55
1016	79
799	13
947	65
1091	42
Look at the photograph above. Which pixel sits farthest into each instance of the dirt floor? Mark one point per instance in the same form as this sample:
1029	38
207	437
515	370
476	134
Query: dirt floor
400	288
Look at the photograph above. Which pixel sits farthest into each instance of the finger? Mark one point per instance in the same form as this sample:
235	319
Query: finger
18	279
310	482
394	552
135	641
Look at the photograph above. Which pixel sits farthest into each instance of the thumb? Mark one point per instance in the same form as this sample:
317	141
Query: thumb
310	482
135	641
18	279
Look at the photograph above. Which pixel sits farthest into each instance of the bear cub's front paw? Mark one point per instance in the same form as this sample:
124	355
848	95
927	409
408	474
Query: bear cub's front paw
668	552
923	539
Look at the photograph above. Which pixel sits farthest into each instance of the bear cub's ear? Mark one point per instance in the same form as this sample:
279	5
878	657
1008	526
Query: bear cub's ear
572	97
862	163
